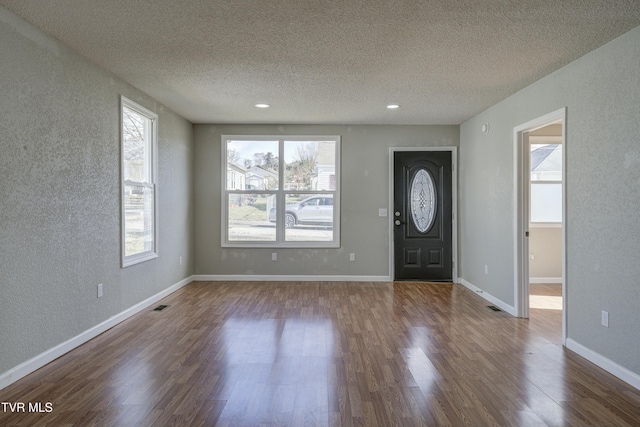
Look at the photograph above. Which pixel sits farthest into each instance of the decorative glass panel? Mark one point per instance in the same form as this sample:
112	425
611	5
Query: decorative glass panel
423	200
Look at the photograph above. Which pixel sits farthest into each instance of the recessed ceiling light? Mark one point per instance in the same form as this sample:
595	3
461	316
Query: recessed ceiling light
393	106
262	105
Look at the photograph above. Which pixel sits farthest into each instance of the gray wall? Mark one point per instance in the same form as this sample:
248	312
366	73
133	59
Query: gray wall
545	245
60	195
602	93
365	189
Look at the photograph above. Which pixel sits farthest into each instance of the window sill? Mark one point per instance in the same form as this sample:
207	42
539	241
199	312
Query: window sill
139	258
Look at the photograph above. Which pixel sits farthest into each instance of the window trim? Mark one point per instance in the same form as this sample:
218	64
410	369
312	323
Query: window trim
129	260
280	241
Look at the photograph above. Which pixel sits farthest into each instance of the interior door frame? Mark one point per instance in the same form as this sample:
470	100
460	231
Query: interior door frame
454	204
522	183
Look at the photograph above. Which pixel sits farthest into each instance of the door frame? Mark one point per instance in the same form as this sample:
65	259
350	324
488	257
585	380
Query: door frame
522	183
454	204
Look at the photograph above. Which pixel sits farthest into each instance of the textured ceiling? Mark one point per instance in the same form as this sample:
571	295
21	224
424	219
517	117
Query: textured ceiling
322	61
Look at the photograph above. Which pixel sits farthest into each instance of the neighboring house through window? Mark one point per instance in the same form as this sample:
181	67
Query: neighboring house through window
285	194
546	183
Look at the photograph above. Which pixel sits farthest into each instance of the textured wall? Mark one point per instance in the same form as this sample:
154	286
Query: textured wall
60	195
485	206
602	94
545	244
365	189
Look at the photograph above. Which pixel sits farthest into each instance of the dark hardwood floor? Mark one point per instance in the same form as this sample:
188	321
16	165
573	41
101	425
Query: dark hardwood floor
325	354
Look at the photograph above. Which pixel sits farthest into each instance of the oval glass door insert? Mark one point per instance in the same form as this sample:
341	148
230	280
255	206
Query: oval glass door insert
423	200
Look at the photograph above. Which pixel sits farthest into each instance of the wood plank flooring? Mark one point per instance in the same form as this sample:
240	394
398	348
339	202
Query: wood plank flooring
324	354
545	310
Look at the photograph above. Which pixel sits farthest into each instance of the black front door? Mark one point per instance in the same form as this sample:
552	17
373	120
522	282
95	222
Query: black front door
422	216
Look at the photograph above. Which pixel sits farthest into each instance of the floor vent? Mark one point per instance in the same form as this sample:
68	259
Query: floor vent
493	307
160	307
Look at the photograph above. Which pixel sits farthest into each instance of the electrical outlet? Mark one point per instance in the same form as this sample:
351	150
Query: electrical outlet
274	256
352	257
99	290
605	319
180	260
486	269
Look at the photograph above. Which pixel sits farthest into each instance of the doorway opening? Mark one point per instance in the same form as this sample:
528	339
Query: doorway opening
540	236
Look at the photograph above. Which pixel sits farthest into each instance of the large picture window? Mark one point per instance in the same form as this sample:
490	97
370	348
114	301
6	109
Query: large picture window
281	191
139	130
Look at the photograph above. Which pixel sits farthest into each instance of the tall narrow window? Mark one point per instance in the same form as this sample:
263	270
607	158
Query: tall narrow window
281	191
139	130
546	183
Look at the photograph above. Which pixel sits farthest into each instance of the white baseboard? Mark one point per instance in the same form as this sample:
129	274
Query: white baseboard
487	296
37	362
545	280
287	278
608	365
